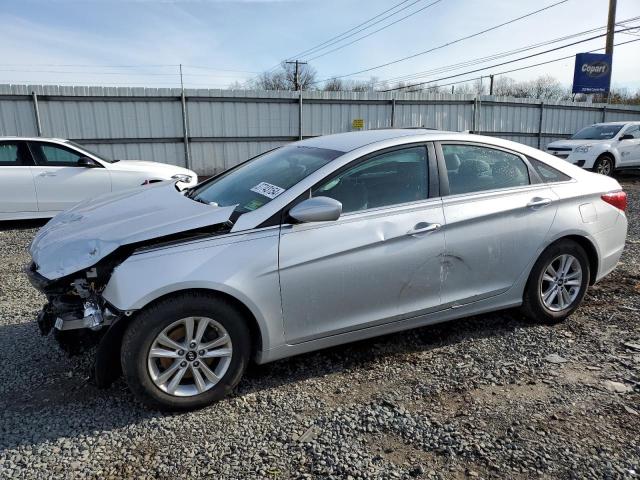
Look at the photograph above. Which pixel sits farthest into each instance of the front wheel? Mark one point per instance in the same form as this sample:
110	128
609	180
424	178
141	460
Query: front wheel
604	165
185	352
557	283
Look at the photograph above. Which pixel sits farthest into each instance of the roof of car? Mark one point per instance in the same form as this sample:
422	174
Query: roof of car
618	123
345	142
34	138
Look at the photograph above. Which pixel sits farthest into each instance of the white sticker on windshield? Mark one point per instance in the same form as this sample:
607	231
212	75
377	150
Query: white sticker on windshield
268	190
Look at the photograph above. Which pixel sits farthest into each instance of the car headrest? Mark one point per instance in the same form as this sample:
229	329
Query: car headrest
474	168
452	161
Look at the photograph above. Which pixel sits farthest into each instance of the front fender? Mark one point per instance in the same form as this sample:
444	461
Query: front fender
243	266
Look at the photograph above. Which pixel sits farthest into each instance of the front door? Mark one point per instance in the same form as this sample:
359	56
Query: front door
60	181
630	149
497	218
17	188
379	262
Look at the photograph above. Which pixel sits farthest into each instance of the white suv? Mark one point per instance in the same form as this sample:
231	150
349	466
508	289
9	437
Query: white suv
602	147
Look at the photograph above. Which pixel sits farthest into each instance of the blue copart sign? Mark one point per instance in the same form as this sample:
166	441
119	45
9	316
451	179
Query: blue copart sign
592	73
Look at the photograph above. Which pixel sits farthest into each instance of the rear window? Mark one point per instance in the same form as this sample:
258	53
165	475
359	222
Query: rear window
548	174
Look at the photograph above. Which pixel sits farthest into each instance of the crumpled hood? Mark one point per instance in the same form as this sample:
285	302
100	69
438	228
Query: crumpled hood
78	238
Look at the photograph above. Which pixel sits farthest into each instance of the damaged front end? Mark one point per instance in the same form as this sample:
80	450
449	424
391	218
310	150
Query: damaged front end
75	310
75	254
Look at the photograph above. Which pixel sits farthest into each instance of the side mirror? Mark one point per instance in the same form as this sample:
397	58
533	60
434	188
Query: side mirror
87	162
317	209
628	136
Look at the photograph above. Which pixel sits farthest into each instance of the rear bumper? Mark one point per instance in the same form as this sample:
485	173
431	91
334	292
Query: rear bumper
610	244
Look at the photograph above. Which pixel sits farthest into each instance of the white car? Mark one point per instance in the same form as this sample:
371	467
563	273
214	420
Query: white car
40	177
602	147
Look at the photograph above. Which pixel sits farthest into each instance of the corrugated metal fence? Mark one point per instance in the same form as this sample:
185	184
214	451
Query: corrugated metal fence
224	127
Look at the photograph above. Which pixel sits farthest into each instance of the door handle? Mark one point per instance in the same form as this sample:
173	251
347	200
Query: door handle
538	202
46	174
424	227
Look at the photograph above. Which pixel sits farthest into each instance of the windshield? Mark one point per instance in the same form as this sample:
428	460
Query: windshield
597	132
98	155
260	180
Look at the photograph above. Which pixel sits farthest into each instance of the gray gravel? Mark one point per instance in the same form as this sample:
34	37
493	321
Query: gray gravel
489	396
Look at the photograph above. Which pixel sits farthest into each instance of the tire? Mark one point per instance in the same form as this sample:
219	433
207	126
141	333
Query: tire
164	326
551	310
604	165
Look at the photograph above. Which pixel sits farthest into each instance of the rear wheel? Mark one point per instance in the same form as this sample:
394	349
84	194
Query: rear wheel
185	352
604	165
557	283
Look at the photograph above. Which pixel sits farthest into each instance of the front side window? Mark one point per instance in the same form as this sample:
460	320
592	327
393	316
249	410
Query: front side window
11	154
260	180
388	179
635	131
49	155
597	132
477	169
101	156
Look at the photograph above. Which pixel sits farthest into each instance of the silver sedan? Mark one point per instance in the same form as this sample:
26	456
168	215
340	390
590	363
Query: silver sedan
319	243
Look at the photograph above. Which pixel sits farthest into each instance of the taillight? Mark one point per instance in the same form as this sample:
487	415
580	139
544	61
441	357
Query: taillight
617	199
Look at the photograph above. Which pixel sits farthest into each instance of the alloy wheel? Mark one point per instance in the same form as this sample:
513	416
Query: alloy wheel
190	356
604	166
561	282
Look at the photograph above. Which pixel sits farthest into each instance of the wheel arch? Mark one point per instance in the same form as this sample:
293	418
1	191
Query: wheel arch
589	248
107	361
612	154
257	340
592	254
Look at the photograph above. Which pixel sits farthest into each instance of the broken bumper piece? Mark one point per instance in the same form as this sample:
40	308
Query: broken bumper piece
93	318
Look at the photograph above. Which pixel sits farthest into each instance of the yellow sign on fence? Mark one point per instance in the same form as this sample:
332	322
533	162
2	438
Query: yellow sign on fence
357	124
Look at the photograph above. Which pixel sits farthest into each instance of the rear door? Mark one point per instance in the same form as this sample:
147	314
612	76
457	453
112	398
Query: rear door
497	215
379	262
60	181
17	188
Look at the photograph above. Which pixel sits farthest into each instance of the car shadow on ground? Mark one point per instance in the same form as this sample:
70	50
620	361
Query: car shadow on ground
60	400
22	224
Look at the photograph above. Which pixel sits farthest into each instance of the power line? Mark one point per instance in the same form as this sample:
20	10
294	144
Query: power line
503	63
496	56
467	37
309	51
129	74
375	31
346	34
77	65
520	68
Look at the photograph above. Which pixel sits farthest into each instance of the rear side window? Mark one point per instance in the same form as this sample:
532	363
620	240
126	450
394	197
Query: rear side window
388	179
472	168
13	154
548	174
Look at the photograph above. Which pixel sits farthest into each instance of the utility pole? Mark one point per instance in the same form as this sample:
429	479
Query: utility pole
491	84
185	124
611	25
296	80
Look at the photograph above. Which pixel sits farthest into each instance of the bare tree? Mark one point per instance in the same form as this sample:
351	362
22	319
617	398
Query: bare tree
284	78
334	85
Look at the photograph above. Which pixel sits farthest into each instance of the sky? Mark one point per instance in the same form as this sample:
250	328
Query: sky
142	42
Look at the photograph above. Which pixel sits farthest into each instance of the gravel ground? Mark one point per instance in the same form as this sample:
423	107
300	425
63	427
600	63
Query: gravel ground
488	396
